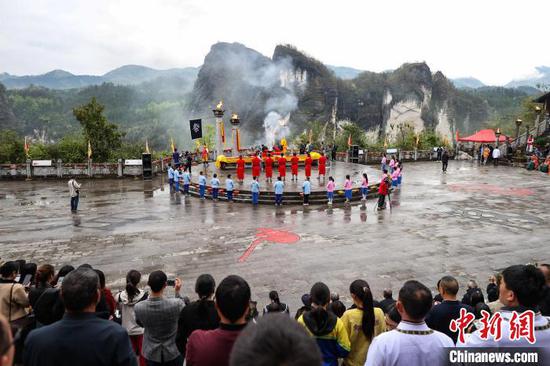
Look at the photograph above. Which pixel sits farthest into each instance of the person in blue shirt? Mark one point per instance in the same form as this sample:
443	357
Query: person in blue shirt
279	188
186	182
306	189
170	177
215	183
202	185
255	189
229	187
177	177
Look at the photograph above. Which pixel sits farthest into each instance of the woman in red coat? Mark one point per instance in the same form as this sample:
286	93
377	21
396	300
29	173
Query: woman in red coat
256	166
294	166
322	165
308	166
268	167
282	166
240	168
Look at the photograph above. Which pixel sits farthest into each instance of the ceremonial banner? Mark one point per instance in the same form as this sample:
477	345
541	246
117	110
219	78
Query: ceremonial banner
196	128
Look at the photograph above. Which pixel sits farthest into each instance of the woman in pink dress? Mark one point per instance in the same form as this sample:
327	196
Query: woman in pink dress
330	190
348	185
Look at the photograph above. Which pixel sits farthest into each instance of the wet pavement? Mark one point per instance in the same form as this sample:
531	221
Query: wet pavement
469	223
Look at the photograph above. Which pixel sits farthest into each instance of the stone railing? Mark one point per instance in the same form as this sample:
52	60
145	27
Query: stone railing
58	169
374	157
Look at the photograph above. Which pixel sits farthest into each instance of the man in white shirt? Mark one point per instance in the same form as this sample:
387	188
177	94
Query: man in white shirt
521	289
496	155
74	193
412	343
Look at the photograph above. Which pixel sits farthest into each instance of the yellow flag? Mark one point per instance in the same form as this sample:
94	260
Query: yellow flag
147	147
89	150
172	145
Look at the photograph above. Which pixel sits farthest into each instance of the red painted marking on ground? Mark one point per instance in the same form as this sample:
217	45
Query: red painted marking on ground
269	235
489	188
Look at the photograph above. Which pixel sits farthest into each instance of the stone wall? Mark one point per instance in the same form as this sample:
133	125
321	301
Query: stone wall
374	157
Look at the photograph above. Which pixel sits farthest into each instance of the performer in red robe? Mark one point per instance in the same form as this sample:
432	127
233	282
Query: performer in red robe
322	165
294	166
240	169
256	166
308	166
282	167
268	167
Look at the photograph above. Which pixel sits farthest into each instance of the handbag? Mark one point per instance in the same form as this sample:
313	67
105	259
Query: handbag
20	329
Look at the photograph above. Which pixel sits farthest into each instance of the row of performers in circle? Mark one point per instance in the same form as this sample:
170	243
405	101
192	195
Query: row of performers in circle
281	165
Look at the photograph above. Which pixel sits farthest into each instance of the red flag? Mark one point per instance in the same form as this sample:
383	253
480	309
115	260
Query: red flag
349	140
26	147
457	135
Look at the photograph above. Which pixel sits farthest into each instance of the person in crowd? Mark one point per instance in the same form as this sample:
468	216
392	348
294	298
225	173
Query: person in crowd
330	190
27	274
240	169
306	190
256	166
127	301
327	329
336	306
383	190
176	158
275	340
229	187
189	161
186	177
492	289
255	190
400	177
521	290
268	167
306	306
74	193
364	186
395	176
544	304
439	152
496	155
106	295
348	187
472	287
43	297
444	161
275	306
388	300
159	317
279	188
232	304
215	184
530	142
44	277
200	314
392	164
202	185
294	166
282	166
383	162
80	338
177	178
322	166
486	153
170	177
7	350
308	163
392	317
14	301
476	298
440	316
204	155
412	342
63	271
362	324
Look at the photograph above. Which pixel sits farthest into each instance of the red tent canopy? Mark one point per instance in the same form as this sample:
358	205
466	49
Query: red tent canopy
483	136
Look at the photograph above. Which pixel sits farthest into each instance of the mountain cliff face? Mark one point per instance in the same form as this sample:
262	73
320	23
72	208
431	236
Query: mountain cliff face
291	89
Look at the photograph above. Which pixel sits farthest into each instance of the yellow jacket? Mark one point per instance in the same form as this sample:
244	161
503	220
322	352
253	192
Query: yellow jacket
359	343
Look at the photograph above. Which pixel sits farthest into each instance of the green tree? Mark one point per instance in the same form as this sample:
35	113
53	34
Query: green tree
11	147
357	136
103	136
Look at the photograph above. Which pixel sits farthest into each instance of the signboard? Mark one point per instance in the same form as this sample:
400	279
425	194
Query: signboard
133	162
391	151
41	163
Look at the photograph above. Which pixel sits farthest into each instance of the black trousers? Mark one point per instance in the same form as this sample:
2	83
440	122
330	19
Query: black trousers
381	201
445	163
306	198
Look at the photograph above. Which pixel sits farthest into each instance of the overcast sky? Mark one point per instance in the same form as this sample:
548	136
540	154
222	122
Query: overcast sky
494	41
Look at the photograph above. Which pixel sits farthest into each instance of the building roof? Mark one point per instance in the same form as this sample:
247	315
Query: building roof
543	98
482	136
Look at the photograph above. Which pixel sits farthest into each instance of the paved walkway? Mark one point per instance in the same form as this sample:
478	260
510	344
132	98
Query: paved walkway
469	222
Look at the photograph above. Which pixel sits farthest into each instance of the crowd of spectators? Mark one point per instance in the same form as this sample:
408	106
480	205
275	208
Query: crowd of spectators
72	318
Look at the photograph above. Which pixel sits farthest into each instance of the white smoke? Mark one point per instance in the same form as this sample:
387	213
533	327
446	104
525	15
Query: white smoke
276	127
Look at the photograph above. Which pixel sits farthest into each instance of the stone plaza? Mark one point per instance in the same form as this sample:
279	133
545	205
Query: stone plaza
470	222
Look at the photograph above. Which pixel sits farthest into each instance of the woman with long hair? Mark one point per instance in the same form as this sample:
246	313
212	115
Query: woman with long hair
200	314
327	329
275	306
126	300
362	323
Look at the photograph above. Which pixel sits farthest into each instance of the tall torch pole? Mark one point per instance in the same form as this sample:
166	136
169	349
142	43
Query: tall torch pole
218	113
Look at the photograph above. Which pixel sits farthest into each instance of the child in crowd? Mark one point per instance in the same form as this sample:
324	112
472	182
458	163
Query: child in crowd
202	185
365	186
348	185
279	187
229	186
306	189
255	189
215	183
330	190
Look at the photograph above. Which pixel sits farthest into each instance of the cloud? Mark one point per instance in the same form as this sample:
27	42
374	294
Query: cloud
467	38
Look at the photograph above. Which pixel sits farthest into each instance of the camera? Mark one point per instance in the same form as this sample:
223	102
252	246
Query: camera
171	283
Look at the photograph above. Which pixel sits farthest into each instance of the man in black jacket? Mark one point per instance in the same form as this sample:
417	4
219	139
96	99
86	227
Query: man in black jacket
444	160
440	316
80	338
544	305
